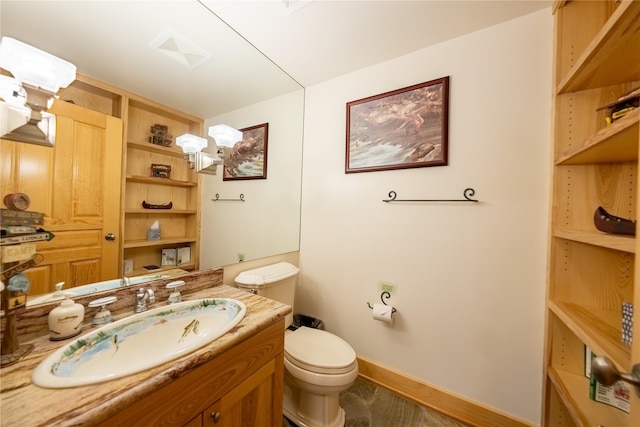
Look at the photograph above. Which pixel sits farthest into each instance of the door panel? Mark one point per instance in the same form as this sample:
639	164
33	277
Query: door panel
77	185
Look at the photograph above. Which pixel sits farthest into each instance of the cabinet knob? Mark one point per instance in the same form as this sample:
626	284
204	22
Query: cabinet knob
110	237
215	416
607	374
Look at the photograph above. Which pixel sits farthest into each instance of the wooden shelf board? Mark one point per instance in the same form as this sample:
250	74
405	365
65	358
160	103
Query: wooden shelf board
605	61
596	238
158	149
162	242
164	269
160	181
598	328
573	390
161	211
617	142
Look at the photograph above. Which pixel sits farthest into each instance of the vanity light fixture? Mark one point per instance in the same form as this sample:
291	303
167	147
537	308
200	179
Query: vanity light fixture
37	77
202	162
225	135
191	144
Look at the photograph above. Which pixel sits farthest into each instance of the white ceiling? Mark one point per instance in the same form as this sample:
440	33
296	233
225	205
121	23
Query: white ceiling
312	41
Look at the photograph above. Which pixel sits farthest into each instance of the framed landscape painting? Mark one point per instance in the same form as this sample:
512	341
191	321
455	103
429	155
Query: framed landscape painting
404	128
248	158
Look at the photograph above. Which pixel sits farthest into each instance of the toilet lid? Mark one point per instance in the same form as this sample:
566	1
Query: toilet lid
319	351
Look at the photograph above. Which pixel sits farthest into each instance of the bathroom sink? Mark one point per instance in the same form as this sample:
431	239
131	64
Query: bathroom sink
139	342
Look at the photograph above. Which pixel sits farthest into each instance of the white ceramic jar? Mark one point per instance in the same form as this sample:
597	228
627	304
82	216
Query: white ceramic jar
65	321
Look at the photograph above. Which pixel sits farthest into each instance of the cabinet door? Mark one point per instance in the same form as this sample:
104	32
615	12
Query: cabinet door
77	185
248	405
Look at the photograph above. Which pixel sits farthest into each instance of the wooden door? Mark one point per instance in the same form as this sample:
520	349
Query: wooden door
77	185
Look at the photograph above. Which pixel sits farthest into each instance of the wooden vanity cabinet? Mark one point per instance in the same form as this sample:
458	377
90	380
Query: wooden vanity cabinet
249	404
241	387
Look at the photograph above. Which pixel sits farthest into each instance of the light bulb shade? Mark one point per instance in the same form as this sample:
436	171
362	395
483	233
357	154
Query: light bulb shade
225	136
191	143
34	66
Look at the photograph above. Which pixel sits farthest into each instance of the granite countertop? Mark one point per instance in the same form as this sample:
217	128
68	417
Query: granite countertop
25	404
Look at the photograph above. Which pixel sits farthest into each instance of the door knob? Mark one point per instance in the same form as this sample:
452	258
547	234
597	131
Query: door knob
607	374
110	237
215	416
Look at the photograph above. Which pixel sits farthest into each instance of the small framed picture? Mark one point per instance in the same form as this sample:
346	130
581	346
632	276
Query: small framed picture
247	159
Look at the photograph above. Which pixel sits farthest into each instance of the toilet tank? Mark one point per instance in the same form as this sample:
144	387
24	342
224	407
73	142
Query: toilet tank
275	281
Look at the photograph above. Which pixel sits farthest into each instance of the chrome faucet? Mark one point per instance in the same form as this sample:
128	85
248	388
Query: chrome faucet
142	297
125	281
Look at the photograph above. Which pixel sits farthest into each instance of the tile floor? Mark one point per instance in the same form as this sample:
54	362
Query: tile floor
367	405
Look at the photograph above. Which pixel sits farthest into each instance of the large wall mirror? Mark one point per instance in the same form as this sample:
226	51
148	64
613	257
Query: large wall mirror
117	43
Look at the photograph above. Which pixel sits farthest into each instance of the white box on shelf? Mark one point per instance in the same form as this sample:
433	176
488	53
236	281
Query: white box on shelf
184	255
127	266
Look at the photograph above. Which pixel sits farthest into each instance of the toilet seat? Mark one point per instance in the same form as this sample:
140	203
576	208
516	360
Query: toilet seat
319	351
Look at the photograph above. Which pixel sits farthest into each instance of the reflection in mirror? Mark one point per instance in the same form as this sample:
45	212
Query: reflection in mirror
91	288
112	42
267	222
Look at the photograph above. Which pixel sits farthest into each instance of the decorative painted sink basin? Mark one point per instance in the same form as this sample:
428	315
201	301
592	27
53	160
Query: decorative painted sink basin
139	342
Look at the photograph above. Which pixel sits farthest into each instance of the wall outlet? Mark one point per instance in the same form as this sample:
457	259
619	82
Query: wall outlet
387	287
240	257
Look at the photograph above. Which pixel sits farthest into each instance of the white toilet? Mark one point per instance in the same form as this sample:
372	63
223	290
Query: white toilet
318	365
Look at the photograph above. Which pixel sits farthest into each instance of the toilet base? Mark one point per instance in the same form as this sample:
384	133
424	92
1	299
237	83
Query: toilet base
306	409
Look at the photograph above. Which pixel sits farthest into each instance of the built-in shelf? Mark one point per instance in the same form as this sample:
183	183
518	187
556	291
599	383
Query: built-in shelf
585	412
160	181
606	61
160	211
142	271
595	238
617	142
154	148
591	274
162	242
182	189
597	328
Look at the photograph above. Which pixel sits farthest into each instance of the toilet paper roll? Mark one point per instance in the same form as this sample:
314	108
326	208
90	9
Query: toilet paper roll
383	312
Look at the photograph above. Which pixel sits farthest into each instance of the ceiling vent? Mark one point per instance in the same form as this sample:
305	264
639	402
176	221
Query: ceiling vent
181	49
292	6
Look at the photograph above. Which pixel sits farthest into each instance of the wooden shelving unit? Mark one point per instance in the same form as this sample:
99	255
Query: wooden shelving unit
180	225
597	58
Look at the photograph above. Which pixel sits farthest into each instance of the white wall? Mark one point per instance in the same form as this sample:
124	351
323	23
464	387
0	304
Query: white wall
268	222
470	277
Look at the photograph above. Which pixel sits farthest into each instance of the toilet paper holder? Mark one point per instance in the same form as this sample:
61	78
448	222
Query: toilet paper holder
383	295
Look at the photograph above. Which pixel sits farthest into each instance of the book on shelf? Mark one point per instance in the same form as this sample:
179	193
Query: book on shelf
184	255
169	257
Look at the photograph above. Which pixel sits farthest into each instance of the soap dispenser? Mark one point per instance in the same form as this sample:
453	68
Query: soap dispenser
65	321
58	294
